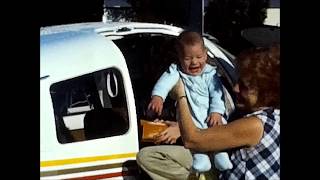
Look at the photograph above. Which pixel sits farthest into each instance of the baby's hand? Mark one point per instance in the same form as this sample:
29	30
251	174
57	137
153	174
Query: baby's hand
214	119
156	105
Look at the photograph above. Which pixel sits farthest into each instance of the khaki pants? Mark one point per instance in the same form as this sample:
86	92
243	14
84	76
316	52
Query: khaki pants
167	162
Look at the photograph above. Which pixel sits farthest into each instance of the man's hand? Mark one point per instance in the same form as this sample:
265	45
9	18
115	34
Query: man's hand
156	105
214	119
170	135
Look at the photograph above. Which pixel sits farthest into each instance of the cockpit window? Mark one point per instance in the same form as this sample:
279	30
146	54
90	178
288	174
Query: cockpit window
90	106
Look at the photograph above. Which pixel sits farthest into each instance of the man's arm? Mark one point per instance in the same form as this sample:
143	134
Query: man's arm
241	132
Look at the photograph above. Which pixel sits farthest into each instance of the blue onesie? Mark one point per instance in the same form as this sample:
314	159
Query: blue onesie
205	95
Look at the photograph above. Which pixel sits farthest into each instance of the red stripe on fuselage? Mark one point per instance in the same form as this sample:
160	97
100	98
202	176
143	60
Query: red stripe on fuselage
100	176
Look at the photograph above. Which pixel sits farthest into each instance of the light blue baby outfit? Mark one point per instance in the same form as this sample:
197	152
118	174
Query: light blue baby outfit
205	95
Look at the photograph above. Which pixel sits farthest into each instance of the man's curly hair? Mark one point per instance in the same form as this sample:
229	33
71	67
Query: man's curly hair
259	68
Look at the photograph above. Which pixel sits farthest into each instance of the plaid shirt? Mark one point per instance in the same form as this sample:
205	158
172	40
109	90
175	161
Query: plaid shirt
263	160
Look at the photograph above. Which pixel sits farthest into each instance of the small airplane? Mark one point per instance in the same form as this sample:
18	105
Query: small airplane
95	79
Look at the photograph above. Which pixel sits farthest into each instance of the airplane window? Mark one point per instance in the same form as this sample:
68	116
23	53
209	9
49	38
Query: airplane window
90	106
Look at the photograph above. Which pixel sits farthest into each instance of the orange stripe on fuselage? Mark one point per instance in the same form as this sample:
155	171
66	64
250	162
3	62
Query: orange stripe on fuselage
85	159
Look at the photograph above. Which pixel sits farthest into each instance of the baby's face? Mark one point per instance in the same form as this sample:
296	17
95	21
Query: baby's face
193	59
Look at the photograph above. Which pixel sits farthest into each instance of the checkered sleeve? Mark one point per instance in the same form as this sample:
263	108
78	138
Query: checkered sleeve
263	160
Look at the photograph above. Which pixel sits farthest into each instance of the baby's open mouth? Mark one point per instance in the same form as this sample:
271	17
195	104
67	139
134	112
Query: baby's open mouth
194	69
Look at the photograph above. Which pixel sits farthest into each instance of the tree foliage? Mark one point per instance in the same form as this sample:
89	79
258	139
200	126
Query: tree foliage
162	11
226	18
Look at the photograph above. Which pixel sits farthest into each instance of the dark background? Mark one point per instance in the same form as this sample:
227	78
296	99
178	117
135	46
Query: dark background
224	19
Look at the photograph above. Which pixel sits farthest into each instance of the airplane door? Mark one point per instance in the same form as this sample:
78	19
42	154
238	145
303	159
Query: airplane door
95	127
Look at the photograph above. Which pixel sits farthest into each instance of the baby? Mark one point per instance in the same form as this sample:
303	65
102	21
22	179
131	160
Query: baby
203	91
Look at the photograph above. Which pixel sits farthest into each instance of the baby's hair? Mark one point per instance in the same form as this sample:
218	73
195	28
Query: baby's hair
188	38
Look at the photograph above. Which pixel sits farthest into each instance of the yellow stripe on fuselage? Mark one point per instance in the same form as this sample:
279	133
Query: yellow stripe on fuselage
85	159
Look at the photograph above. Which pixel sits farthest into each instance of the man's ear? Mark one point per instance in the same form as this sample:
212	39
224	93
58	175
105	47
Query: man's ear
253	96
